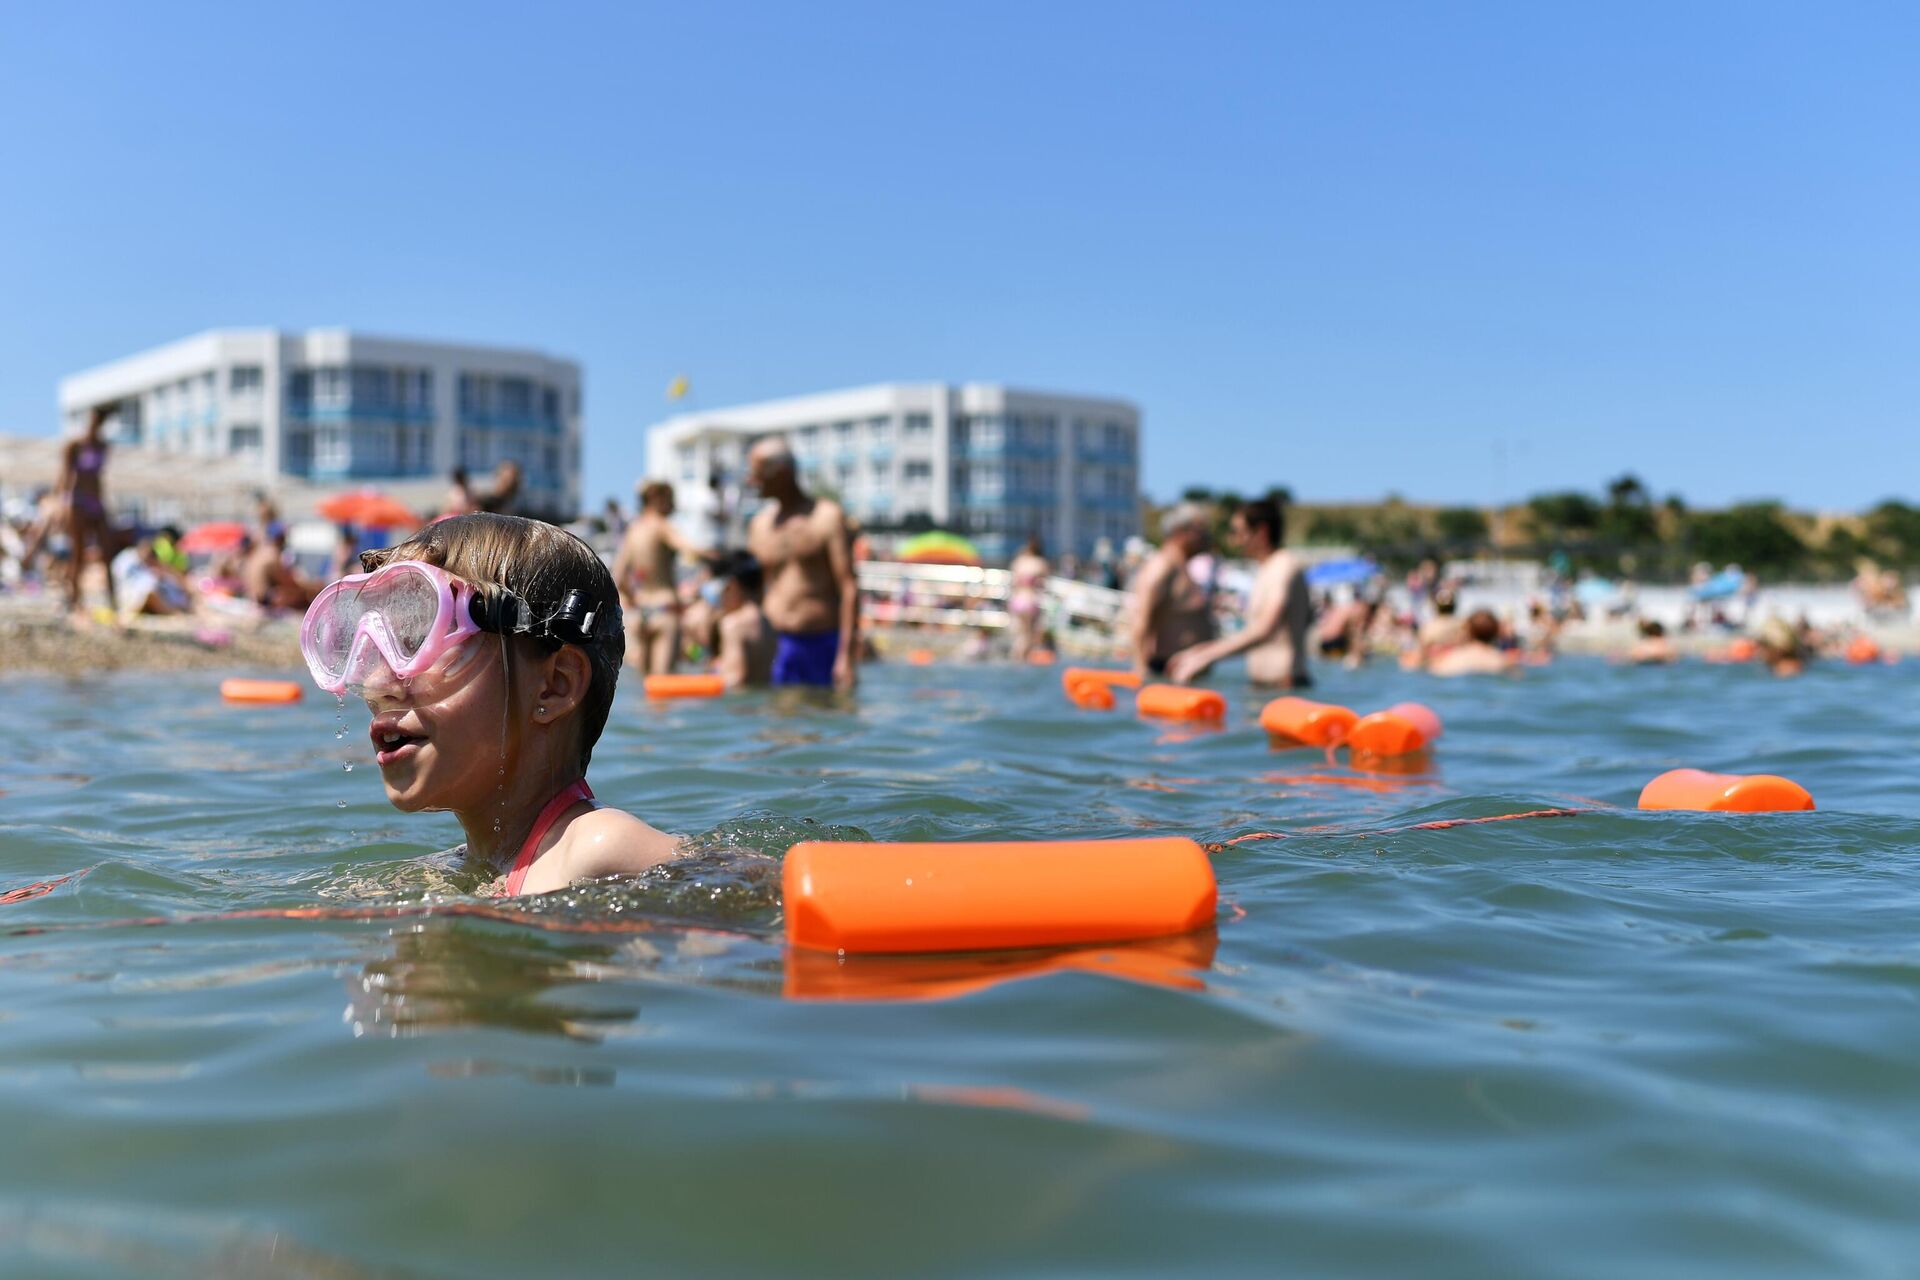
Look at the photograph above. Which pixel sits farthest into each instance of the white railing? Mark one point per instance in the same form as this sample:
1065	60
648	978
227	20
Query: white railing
963	596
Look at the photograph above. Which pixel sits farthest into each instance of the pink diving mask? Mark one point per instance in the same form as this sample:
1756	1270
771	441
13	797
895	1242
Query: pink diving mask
408	615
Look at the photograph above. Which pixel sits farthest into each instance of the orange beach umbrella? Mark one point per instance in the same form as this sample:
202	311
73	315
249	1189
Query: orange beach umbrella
368	508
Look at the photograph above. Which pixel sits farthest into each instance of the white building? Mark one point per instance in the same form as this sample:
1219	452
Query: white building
332	407
991	462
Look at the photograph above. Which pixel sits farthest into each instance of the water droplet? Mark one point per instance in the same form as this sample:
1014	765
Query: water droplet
339	734
340	804
348	766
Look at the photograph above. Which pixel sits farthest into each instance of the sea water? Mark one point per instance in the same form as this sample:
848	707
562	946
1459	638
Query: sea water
1592	1045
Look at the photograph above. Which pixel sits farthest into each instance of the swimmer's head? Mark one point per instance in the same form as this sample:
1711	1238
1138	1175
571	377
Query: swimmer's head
741	581
1652	628
1257	520
657	496
542	564
1189	523
770	463
1483	627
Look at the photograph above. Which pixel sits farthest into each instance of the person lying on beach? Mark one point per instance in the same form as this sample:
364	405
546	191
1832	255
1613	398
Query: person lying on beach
1480	655
272	583
146	584
488	647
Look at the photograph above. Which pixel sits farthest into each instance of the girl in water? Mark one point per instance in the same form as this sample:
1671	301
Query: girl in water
487	648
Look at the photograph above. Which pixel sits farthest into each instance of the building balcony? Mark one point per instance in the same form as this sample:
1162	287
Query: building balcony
509	421
307	411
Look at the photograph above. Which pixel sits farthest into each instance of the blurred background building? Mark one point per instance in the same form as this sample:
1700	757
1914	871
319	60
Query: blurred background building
992	462
331	408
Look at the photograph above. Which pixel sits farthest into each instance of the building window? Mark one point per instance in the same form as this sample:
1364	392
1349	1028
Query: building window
299	390
917	472
877	474
243	380
330	390
243	437
516	397
919	426
806	439
880	430
330	449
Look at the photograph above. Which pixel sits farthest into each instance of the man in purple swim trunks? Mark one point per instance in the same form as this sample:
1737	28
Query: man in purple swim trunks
811	601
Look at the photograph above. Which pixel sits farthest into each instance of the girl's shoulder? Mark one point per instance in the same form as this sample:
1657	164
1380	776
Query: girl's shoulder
607	841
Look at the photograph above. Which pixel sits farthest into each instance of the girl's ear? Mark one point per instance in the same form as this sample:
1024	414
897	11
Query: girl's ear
565	677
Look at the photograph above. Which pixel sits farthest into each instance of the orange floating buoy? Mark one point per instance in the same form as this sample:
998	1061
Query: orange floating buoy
1318	724
1178	962
1041	657
1400	730
1699	790
857	897
1177	702
920	657
1091	695
1742	649
1070	676
1863	649
702	684
239	690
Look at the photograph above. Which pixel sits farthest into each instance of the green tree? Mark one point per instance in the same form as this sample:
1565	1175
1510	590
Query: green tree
1461	526
1754	535
1329	527
1893	530
1562	513
1628	521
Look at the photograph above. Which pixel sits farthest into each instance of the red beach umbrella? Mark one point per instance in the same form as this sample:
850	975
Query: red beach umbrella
214	537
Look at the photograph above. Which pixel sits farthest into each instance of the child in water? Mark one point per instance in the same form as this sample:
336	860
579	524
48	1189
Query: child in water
487	648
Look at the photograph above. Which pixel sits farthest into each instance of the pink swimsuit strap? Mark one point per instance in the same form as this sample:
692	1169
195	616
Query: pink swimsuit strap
570	795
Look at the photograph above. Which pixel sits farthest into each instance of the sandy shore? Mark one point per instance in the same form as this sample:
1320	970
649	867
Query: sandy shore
36	637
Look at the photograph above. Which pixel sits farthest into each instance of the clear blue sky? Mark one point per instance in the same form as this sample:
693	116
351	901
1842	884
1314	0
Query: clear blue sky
1462	252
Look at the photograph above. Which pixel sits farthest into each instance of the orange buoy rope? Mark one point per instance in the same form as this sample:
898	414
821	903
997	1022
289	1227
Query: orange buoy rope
38	889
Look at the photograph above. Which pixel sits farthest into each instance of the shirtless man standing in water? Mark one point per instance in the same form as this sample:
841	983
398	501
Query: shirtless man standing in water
643	570
812	601
1275	637
1170	610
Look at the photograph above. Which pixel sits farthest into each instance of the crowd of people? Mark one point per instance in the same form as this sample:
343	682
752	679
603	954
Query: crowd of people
786	607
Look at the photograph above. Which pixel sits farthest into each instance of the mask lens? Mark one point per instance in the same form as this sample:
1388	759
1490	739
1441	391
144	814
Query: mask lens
409	603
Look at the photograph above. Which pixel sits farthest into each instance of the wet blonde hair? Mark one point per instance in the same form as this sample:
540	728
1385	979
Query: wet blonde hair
541	564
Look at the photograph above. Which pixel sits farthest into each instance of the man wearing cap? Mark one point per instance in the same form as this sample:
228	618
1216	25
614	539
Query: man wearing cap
1170	611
